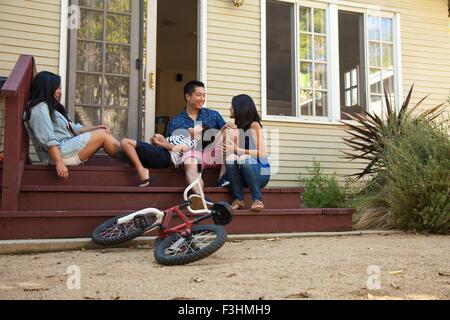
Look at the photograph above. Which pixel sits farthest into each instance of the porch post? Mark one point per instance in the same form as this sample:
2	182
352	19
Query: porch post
16	90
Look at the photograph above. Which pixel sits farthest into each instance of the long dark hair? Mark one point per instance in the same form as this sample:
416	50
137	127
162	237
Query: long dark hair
244	111
43	89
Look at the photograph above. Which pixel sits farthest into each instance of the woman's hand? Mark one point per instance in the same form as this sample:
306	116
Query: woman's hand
62	170
230	147
104	127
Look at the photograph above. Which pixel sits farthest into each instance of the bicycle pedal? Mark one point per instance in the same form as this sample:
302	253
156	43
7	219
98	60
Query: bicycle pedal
140	221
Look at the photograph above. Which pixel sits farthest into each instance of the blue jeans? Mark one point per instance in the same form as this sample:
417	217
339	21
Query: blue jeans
246	175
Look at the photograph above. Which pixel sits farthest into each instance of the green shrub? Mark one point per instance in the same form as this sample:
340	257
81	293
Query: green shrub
412	191
417	177
322	191
408	162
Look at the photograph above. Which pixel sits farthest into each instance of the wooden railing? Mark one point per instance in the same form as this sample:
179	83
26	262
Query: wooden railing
16	91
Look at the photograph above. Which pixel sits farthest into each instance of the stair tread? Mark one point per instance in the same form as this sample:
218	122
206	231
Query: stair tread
133	189
83	168
107	213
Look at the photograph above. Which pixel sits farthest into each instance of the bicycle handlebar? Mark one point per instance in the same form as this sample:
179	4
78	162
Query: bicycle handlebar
159	215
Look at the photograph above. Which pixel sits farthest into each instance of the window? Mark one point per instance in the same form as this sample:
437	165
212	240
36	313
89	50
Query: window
351	63
280	59
313	62
311	51
103	79
381	61
351	95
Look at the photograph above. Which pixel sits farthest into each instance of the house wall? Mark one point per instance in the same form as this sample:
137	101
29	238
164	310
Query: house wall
29	27
234	67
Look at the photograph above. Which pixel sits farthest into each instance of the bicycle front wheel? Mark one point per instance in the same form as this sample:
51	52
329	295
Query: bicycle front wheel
111	233
178	250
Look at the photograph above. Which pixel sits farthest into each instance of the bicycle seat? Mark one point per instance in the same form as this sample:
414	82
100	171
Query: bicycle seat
196	202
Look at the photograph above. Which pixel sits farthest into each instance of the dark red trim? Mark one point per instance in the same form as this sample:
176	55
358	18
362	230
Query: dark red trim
16	90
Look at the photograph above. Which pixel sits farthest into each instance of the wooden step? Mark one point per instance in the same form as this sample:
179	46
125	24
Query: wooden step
53	198
74	224
110	176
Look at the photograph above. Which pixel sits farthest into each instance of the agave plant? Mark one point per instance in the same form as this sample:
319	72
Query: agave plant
367	134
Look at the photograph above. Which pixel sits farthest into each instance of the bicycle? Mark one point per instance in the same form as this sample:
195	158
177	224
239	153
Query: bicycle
177	245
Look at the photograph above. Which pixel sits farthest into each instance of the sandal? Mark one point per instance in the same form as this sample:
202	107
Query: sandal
145	183
237	204
257	205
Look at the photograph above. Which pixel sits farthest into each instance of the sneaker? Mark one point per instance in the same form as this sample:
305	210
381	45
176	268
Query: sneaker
208	200
223	182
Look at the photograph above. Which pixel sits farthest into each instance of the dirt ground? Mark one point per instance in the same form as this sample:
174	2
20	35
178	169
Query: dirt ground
395	266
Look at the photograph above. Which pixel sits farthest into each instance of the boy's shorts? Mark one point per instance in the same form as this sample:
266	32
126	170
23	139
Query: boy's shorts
153	157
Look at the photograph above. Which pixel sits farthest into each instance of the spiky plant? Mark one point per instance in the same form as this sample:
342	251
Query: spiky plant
367	135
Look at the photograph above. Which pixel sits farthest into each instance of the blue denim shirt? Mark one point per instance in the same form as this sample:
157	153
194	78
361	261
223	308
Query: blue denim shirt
207	116
45	133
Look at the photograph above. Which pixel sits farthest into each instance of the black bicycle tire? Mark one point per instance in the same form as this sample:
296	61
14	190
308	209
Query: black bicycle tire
218	242
98	239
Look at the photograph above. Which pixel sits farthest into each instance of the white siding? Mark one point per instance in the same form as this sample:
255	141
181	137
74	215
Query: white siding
234	67
29	27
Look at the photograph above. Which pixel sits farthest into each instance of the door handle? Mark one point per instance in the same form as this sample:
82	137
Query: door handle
152	80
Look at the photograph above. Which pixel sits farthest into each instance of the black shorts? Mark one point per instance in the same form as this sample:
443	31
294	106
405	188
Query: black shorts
153	157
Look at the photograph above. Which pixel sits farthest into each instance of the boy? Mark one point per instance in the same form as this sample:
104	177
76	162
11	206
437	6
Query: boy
160	153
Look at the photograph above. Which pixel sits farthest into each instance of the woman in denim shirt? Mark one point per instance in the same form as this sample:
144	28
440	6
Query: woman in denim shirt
246	159
56	138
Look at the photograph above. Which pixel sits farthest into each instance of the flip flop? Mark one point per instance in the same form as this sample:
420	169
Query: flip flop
145	183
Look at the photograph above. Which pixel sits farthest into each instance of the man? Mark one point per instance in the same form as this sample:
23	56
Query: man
195	96
195	111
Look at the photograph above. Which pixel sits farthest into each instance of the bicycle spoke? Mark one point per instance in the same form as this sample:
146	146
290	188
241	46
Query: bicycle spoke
194	243
201	242
117	230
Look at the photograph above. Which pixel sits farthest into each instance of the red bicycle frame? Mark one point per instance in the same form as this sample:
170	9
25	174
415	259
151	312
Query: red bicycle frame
184	229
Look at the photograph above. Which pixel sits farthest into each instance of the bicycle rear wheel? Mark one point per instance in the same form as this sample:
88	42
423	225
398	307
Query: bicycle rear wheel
178	250
110	232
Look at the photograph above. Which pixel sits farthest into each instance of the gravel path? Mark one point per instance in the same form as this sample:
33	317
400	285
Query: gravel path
396	266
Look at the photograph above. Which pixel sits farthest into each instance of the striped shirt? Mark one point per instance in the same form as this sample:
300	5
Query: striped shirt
179	139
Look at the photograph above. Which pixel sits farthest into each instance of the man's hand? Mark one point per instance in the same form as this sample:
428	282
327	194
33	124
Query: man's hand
230	125
180	147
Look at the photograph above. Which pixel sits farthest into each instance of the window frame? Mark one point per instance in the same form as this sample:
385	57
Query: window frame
134	75
332	41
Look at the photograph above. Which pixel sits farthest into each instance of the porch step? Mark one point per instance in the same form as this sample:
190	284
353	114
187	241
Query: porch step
55	197
74	224
108	175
